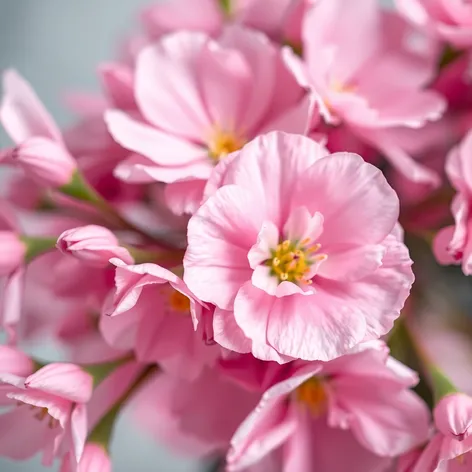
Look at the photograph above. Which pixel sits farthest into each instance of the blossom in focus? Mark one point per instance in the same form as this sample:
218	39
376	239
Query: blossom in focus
453	244
47	410
154	313
40	150
273	17
365	396
94	459
450	448
94	245
297	267
449	20
202	99
367	79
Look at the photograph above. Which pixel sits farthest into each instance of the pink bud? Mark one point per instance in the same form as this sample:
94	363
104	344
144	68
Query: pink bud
45	161
94	459
453	416
12	252
93	245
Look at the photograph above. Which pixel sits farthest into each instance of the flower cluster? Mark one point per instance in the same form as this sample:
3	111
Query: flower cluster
219	242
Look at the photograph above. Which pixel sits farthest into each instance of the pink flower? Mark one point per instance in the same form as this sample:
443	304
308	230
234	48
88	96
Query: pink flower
12	254
40	150
193	417
47	410
273	17
360	63
154	313
453	245
94	459
347	414
94	245
449	20
450	449
299	251
203	99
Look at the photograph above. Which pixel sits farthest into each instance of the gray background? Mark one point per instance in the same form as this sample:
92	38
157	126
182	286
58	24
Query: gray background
56	45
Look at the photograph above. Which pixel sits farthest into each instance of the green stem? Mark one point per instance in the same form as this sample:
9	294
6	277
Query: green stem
226	7
35	246
79	189
100	372
103	431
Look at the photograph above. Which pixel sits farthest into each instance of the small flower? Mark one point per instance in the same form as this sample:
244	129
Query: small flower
93	245
40	149
47	410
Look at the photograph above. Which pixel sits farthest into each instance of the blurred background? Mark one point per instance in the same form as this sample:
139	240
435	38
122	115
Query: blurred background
56	45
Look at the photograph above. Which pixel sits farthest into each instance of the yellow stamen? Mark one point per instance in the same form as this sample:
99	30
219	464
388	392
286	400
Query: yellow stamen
312	393
223	143
42	413
179	302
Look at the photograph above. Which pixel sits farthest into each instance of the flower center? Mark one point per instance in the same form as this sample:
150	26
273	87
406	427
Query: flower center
179	302
293	261
223	143
40	413
312	393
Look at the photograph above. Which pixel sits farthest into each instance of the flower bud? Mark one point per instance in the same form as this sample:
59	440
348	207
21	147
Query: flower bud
12	252
93	245
45	161
453	416
94	459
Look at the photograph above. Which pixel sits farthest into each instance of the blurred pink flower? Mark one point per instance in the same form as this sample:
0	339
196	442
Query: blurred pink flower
40	150
193	417
366	394
47	410
153	313
296	267
450	448
94	459
202	99
360	63
453	245
273	17
449	20
93	245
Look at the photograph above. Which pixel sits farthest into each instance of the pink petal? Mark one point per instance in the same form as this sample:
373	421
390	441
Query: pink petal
168	16
441	245
15	361
228	334
167	89
270	165
78	425
352	263
162	148
220	235
306	327
118	81
225	82
453	416
184	196
138	169
386	423
301	225
267	239
64	380
261	56
353	216
21	112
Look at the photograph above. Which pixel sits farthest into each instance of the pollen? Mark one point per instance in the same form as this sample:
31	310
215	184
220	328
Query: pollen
292	261
179	302
223	143
312	393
